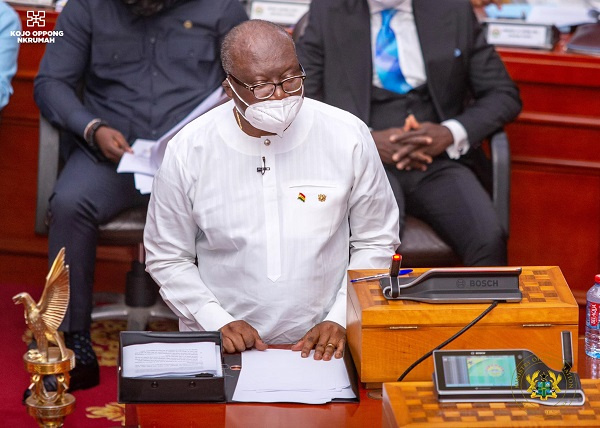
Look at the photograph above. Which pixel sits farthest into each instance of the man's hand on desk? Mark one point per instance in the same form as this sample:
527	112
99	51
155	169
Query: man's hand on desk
112	143
239	336
328	338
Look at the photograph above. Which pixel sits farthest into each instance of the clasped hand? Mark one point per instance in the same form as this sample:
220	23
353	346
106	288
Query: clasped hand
413	146
327	338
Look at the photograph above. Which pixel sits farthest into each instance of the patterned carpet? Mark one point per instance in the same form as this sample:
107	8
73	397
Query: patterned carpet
95	407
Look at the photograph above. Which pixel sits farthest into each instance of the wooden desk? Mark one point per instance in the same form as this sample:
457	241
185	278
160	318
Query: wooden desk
368	413
414	404
387	336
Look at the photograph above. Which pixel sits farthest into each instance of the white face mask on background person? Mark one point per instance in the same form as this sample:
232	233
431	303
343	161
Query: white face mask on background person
273	116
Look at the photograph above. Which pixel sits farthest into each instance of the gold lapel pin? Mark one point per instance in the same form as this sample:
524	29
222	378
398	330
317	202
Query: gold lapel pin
322	197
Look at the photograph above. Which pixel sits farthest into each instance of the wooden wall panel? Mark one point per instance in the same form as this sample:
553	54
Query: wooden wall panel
18	163
555	148
554	140
556	221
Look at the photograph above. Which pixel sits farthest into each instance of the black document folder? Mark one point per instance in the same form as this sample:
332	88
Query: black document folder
214	389
172	389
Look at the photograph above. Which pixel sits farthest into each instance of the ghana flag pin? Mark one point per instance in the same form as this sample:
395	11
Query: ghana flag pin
302	197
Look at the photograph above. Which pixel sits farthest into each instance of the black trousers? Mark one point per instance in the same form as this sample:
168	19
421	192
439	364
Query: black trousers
449	197
87	194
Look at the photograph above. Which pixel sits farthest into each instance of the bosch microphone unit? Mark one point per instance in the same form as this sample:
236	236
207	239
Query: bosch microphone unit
456	285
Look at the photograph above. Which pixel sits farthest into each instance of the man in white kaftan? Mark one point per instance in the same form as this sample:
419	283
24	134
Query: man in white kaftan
274	221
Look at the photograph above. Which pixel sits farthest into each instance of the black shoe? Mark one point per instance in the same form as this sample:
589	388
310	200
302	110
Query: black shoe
83	376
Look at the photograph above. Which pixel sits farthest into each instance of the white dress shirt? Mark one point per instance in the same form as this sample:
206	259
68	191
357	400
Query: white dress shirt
412	64
272	248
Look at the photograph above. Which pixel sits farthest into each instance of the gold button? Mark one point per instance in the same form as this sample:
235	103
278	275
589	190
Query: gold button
188	24
267	142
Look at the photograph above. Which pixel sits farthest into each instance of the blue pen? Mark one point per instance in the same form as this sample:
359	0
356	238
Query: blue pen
381	275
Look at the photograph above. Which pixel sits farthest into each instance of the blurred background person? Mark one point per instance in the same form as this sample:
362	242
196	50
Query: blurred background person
430	87
9	50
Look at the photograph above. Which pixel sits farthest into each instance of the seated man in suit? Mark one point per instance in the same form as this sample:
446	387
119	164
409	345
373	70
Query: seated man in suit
9	50
248	228
144	65
422	76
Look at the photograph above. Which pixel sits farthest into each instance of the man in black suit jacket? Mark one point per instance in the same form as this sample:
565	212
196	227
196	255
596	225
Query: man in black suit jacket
461	94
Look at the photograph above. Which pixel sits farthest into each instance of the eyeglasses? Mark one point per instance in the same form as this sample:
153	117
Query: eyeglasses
262	91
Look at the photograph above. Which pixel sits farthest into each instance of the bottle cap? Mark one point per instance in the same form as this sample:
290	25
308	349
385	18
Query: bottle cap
597	278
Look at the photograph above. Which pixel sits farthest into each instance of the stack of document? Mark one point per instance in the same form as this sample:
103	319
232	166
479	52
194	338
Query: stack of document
148	155
278	375
160	359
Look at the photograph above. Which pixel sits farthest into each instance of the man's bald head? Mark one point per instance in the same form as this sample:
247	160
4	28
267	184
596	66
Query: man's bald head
255	40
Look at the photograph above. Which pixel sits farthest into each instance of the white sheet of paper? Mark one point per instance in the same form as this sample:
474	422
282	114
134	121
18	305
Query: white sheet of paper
159	359
278	375
139	160
143	183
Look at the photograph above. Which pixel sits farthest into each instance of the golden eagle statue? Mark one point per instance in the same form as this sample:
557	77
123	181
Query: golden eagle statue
44	318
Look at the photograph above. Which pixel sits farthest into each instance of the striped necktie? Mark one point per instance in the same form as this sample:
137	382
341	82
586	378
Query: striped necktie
387	63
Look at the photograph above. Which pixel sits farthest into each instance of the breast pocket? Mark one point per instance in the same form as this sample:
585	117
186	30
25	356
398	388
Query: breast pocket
313	210
196	54
113	55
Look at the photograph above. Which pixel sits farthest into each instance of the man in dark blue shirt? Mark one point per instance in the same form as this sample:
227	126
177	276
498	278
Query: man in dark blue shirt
121	70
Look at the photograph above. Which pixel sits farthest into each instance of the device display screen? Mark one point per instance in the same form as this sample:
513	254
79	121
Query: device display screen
480	370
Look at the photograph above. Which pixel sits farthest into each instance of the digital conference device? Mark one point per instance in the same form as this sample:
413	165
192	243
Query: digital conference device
506	375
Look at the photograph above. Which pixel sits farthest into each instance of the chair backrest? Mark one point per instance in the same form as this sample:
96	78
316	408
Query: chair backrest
127	228
48	161
422	247
299	28
500	154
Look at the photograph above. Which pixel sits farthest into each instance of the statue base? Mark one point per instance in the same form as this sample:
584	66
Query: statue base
50	415
49	408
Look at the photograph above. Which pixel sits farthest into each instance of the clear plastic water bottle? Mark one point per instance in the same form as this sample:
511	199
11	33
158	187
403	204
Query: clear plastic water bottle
592	320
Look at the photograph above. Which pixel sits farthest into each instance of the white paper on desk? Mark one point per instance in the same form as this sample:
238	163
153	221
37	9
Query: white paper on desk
159	359
560	16
278	375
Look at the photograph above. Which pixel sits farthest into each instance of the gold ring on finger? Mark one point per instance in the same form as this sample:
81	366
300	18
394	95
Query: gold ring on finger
330	344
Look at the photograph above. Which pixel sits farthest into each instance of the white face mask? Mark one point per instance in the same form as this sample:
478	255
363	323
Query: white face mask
273	116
